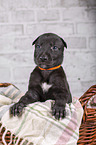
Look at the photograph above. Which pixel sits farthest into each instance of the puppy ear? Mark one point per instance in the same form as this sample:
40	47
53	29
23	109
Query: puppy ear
35	41
65	45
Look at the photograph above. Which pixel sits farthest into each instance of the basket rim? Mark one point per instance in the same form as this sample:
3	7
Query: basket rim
87	95
5	84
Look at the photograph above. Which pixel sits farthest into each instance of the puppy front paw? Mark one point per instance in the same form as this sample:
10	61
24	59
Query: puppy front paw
16	109
58	111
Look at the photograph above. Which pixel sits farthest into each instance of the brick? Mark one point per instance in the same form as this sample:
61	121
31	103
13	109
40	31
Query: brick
87	84
4	17
6	44
5	75
23	16
23	43
26	4
4	61
76	42
11	29
18	59
92	14
35	29
80	65
93	69
86	28
21	73
76	88
49	15
92	43
64	3
25	59
59	28
74	14
88	3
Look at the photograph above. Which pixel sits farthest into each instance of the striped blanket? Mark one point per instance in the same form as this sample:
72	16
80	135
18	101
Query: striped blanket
36	125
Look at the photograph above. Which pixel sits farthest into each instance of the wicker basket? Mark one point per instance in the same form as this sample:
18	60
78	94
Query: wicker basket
9	136
87	131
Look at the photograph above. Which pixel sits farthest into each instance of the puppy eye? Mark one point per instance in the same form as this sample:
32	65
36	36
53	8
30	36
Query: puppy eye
37	46
54	48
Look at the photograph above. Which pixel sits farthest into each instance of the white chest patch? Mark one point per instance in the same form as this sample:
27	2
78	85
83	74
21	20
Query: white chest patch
45	87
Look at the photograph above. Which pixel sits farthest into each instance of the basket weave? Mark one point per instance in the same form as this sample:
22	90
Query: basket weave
87	131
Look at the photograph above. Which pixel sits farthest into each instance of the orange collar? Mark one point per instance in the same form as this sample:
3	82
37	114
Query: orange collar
53	68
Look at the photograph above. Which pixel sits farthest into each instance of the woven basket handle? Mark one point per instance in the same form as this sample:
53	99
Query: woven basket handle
85	98
5	84
87	95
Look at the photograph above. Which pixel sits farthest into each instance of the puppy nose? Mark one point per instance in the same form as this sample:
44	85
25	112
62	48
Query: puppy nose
43	58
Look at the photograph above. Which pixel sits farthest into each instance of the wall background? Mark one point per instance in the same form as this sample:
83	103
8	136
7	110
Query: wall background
21	21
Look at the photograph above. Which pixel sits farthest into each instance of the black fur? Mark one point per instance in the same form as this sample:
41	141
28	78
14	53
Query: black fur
49	49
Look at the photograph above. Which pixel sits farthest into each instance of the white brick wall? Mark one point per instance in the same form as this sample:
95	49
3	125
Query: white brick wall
21	21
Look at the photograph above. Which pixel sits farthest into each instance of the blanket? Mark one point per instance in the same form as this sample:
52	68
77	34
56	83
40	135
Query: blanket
36	125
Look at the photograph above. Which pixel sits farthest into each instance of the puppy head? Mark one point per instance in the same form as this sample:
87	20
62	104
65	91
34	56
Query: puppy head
49	50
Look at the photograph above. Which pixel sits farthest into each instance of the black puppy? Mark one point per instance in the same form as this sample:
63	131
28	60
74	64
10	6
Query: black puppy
48	79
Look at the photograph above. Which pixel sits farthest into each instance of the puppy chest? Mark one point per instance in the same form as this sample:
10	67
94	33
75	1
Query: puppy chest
45	87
